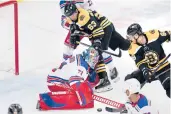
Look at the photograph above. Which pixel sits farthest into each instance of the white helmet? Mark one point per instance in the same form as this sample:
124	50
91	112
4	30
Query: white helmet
133	85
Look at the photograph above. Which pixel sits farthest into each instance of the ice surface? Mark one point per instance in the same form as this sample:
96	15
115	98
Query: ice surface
41	41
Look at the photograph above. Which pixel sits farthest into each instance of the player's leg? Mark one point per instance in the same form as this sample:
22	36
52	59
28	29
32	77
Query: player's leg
67	50
136	74
165	79
117	41
104	83
108	60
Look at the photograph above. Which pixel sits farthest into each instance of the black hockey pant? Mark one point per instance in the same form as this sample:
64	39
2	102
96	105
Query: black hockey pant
114	40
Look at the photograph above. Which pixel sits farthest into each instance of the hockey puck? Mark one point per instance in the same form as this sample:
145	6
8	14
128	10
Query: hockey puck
99	109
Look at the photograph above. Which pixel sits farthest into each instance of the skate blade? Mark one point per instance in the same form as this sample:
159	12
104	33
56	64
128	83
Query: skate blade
104	89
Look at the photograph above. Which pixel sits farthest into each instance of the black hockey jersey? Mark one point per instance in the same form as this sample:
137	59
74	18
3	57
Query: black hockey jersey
151	54
92	23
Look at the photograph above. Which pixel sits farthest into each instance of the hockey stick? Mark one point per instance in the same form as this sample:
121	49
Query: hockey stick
159	65
107	101
121	110
117	107
119	55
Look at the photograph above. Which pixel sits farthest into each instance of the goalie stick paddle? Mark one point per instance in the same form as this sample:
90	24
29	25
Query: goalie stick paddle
119	55
107	101
159	65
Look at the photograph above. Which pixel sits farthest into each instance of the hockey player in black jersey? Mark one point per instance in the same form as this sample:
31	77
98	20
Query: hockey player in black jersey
101	33
147	51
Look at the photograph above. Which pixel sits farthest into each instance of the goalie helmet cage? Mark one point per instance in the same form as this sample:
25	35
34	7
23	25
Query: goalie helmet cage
16	50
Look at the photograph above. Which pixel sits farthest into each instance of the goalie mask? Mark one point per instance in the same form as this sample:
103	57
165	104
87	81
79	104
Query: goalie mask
91	56
15	109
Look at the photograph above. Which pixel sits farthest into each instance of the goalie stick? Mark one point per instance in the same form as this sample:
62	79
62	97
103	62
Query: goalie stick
107	101
116	107
159	65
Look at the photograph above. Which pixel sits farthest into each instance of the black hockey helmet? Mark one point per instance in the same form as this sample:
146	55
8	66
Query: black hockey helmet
69	9
134	28
15	109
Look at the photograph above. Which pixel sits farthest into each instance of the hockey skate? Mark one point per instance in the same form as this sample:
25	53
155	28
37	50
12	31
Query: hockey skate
114	75
103	85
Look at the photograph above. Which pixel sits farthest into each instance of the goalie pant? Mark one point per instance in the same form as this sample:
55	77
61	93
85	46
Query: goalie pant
67	50
143	106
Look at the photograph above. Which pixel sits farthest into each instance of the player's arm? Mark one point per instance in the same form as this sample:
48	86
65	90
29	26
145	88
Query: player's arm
140	61
137	55
142	64
64	22
142	107
164	36
132	110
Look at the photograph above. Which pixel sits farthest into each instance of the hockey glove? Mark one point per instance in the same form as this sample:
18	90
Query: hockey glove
147	74
73	28
73	40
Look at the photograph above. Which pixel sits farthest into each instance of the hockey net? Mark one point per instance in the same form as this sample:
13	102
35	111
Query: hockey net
9	57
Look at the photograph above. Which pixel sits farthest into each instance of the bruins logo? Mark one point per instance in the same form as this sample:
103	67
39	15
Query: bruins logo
82	17
151	57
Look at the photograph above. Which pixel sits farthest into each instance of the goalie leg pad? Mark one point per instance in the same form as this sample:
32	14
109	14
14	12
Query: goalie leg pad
60	100
56	83
82	89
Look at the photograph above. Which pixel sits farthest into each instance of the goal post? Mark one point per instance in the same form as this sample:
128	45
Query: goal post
15	28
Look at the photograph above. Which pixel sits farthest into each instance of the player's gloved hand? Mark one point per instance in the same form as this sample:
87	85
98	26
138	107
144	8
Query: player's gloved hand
147	74
73	27
74	37
60	67
97	44
73	40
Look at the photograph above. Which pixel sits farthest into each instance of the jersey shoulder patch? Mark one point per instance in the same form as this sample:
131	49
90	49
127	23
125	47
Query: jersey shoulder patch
83	17
133	48
142	102
152	35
